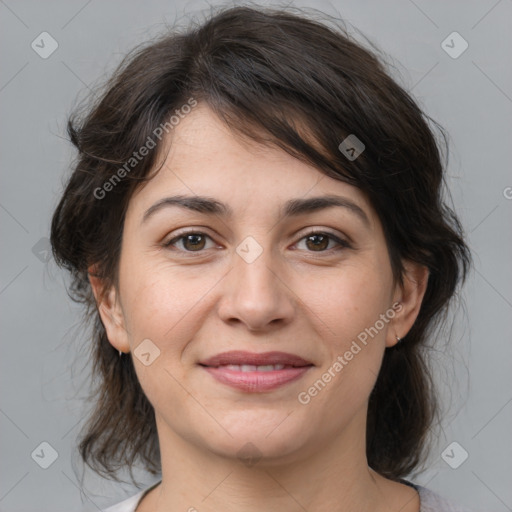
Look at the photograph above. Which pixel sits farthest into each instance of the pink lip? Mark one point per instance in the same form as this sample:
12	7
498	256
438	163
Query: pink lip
256	381
252	358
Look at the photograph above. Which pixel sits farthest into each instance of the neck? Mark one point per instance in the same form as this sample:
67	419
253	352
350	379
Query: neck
329	476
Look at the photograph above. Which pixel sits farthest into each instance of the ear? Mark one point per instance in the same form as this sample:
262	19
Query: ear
111	313
409	294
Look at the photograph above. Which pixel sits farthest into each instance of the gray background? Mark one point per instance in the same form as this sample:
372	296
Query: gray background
42	380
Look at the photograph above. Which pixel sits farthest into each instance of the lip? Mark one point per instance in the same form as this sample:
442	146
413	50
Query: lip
252	358
256	381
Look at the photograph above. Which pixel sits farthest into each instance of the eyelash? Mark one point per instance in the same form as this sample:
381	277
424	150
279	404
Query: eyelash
342	244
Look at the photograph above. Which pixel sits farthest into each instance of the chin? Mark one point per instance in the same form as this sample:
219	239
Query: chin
265	439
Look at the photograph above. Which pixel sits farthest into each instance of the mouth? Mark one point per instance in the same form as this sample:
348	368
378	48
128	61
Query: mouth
253	372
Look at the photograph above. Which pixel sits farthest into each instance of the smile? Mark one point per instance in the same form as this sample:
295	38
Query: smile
256	373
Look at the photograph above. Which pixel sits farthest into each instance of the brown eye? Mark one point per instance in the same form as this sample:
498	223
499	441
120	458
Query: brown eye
319	241
194	242
190	242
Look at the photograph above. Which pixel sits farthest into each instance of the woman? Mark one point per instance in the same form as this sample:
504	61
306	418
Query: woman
255	223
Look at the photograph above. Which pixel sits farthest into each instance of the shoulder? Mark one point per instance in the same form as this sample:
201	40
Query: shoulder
433	502
430	501
130	504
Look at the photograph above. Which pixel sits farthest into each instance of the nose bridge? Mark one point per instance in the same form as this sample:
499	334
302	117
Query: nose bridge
253	293
253	267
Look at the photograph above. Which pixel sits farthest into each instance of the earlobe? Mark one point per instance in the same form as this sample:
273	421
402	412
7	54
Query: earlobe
410	295
110	311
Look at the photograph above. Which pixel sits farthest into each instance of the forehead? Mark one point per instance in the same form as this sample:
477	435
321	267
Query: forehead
204	157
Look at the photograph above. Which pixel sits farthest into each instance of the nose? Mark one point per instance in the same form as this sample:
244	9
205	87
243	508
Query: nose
256	294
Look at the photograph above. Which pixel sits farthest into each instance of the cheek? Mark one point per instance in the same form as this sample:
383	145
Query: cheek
353	332
163	303
156	312
351	300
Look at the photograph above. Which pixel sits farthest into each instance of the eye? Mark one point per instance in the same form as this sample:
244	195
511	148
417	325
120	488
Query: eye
192	241
318	241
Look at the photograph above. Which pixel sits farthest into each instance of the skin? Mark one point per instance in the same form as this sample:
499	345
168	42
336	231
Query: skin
294	298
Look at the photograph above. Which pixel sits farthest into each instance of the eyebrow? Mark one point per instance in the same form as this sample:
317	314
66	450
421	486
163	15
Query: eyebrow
292	208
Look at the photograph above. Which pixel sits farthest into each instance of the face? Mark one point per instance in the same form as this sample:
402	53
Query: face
259	322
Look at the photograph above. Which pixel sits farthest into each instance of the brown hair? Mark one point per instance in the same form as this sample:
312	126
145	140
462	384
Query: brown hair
263	72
